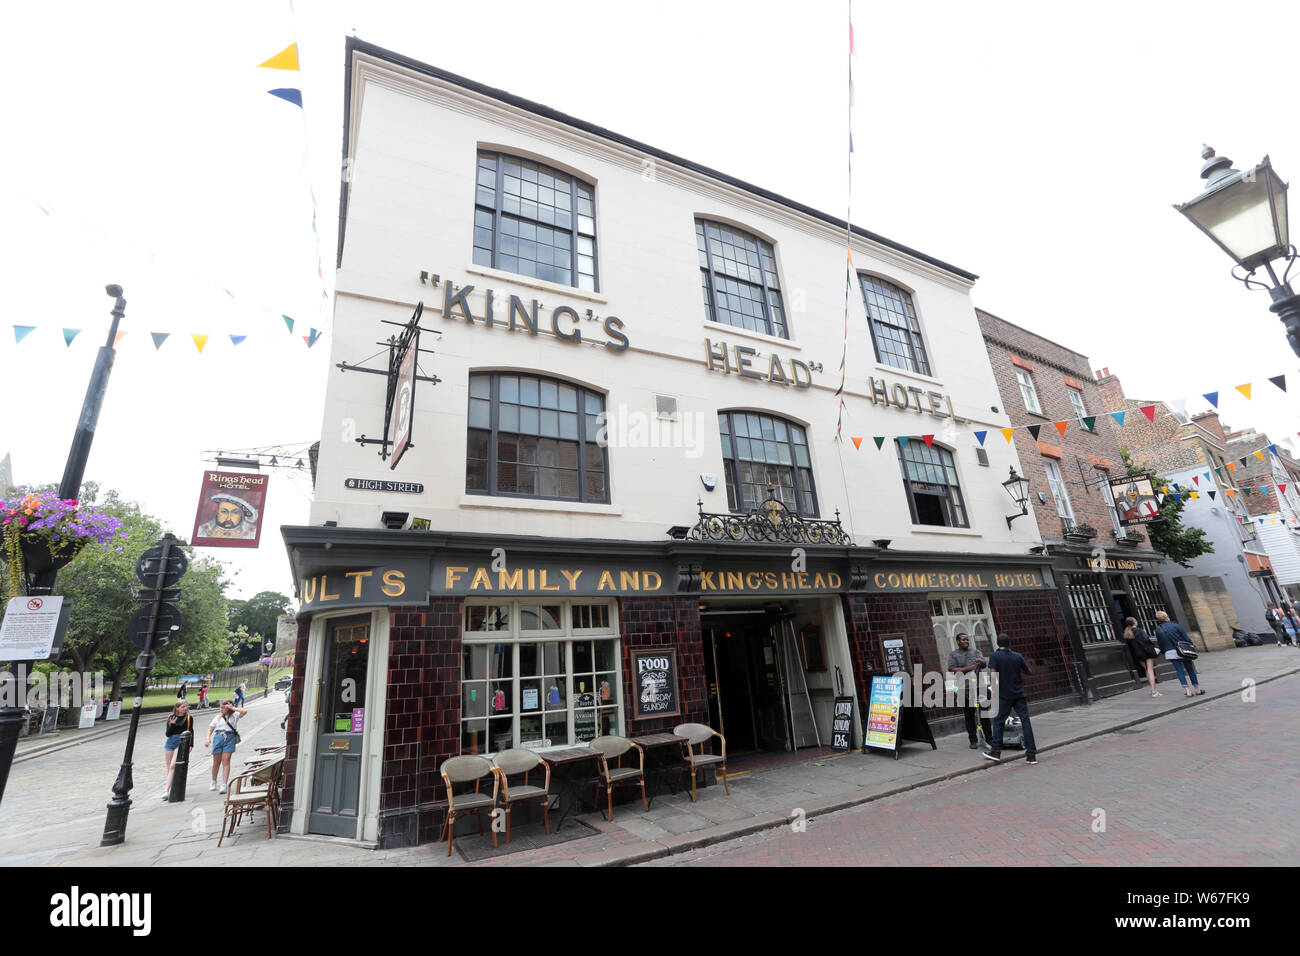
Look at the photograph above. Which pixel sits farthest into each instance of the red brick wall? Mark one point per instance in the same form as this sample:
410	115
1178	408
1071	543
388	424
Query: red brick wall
665	622
1035	624
293	728
1056	370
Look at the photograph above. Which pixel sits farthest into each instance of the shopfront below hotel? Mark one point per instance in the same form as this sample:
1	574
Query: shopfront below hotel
414	647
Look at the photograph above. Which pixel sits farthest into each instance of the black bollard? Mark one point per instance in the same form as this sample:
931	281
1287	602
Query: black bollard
180	768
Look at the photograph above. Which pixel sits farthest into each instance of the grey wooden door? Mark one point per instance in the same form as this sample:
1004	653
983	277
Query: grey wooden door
340	724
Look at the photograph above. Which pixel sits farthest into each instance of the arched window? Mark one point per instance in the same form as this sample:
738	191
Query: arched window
535	437
930	477
895	332
761	452
738	276
535	221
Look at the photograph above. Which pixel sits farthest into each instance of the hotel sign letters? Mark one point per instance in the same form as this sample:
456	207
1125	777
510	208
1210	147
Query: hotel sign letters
904	397
579	579
564	320
747	363
980	579
364	587
763	582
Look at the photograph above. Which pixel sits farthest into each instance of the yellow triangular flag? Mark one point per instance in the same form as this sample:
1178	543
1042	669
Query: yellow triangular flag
1195	495
1259	455
1007	433
199	341
286	59
1244	389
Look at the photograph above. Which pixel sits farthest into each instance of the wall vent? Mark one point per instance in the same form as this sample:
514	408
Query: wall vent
666	407
982	456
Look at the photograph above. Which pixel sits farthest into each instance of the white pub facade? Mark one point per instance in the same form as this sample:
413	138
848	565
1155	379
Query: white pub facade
630	447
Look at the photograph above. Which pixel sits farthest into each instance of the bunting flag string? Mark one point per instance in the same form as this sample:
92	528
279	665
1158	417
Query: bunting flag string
848	244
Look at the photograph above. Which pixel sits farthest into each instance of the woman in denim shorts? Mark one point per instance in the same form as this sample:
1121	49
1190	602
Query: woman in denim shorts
178	723
221	738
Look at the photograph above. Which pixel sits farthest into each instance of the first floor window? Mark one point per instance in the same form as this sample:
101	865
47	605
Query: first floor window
1103	485
1057	483
1076	403
1028	393
538	675
762	453
930	477
535	437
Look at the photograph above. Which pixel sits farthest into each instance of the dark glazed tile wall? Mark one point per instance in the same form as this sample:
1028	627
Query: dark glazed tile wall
665	622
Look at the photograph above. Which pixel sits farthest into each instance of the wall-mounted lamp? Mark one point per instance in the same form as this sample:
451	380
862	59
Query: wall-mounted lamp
1018	489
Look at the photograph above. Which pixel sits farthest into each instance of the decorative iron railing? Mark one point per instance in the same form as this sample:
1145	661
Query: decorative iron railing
770	521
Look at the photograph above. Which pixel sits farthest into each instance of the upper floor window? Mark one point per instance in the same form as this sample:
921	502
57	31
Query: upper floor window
738	276
534	220
933	492
1027	391
895	332
1057	483
1076	402
761	452
536	438
1103	486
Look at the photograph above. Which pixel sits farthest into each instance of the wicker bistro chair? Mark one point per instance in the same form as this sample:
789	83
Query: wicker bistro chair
464	770
697	735
249	791
618	775
512	763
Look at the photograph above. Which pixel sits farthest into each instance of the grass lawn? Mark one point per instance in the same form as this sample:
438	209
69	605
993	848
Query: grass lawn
161	698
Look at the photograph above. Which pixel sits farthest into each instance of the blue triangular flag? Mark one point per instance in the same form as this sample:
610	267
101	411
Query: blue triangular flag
22	331
1273	449
1119	418
69	335
236	339
1212	398
980	436
158	339
289	322
288	94
903	442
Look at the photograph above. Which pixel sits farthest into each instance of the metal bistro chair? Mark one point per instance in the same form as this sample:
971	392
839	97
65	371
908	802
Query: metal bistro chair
246	794
463	770
618	775
697	735
512	763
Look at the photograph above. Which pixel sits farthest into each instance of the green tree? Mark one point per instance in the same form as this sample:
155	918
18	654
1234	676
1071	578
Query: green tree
259	615
1169	536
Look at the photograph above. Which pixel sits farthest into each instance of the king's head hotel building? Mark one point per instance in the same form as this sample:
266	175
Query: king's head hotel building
621	457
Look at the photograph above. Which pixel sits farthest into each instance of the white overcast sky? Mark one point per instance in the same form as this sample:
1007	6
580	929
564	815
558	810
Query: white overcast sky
1038	145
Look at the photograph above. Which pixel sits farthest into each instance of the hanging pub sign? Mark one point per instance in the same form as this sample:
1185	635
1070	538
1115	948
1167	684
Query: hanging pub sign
1135	500
231	504
403	398
654	684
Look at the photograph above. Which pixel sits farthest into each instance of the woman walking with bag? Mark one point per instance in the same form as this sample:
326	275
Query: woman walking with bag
1176	646
178	723
1143	651
225	727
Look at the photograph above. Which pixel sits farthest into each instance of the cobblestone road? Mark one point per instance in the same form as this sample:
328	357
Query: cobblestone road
1210	786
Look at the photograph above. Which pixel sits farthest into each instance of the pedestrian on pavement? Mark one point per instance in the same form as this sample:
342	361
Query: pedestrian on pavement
1011	696
1274	617
1143	651
239	694
288	702
1168	634
224	727
180	694
966	664
1291	621
203	695
177	724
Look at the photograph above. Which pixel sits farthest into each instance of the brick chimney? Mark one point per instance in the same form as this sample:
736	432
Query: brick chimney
1112	392
1210	422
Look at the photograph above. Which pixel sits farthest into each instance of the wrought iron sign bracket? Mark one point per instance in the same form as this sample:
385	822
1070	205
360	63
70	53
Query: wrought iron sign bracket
770	521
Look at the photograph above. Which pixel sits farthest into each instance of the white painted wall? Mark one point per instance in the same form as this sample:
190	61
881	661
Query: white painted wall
410	207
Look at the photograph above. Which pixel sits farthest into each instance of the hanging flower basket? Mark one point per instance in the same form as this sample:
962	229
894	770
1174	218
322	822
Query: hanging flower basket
43	532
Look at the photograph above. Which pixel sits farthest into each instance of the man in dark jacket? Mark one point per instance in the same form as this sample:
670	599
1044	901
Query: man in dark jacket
1011	696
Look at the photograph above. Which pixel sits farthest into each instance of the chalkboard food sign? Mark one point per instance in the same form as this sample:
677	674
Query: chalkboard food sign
584	717
654	683
895	653
842	725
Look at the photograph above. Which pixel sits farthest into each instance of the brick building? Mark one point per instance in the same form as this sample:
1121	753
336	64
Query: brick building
1217	592
1105	571
1270	473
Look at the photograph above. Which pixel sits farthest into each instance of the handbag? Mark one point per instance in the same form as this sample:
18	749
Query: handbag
1186	650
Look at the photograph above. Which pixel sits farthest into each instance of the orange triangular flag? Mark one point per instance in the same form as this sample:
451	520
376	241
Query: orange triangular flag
1060	427
117	338
286	59
1231	492
857	443
1232	466
1244	389
1006	433
199	341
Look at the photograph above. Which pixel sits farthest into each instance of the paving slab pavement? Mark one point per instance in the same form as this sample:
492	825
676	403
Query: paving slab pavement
47	821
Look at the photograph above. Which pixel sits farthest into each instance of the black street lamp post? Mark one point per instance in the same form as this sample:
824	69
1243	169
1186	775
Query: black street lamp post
1018	488
1244	214
12	718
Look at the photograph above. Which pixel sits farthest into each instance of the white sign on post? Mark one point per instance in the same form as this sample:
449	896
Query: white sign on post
114	710
29	628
